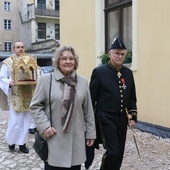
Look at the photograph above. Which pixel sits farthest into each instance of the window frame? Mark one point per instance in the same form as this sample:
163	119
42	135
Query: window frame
41	4
57	5
114	7
39	33
7	6
7	46
57	30
8	24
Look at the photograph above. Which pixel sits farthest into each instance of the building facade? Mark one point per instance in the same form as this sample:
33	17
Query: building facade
29	21
89	26
9	24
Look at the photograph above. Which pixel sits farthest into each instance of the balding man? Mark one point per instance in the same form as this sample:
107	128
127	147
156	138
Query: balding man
18	102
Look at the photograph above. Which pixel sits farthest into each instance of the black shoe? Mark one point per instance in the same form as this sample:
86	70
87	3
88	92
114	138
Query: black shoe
23	148
11	147
32	131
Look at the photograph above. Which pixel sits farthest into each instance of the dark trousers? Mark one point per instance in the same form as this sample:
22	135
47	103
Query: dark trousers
113	129
89	155
48	167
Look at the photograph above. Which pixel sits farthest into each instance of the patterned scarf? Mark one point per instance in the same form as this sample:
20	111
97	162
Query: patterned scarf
68	100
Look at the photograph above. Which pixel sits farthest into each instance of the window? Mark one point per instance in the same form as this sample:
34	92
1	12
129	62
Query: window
57	5
111	1
57	31
7	24
7	46
41	30
41	4
7	6
118	18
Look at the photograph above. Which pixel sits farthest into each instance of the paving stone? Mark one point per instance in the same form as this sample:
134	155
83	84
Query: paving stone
154	151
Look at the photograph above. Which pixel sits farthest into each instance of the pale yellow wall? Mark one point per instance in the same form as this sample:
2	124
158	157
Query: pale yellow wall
77	26
82	26
153	61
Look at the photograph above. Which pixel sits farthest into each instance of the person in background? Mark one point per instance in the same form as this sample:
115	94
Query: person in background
112	89
72	112
19	115
41	71
32	127
90	152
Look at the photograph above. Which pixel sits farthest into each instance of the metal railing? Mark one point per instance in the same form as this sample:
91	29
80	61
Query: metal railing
47	12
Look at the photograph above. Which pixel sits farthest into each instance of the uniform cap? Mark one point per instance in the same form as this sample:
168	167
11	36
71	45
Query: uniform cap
117	44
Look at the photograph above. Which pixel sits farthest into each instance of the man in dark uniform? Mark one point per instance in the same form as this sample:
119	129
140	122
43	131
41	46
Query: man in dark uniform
112	90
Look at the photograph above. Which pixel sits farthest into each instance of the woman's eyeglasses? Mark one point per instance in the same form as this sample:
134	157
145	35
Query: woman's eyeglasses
66	59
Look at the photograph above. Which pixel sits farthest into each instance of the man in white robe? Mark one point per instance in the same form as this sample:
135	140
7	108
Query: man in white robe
32	127
19	119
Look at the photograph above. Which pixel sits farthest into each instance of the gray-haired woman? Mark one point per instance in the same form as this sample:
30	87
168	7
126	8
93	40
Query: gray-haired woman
72	112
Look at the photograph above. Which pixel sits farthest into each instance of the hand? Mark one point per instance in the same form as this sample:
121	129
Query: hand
132	124
12	83
49	132
90	142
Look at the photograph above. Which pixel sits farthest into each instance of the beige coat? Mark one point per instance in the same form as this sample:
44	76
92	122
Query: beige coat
65	149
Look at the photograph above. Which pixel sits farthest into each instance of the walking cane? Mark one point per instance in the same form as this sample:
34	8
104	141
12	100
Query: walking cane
133	132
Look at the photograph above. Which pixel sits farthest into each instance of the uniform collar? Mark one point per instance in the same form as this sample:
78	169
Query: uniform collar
118	69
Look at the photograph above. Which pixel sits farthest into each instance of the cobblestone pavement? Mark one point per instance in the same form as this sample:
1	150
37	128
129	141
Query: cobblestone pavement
155	153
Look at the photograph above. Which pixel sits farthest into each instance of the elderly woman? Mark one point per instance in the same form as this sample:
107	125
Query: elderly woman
72	112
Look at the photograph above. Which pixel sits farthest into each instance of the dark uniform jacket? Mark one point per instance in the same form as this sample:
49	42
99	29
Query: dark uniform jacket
112	91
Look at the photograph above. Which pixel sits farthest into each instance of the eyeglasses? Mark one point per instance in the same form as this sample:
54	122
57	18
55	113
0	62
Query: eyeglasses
117	54
19	47
71	59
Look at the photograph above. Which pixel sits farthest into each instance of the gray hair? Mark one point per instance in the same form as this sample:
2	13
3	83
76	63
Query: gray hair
59	52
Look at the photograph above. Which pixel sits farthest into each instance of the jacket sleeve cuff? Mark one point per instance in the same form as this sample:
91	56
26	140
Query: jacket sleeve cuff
133	113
